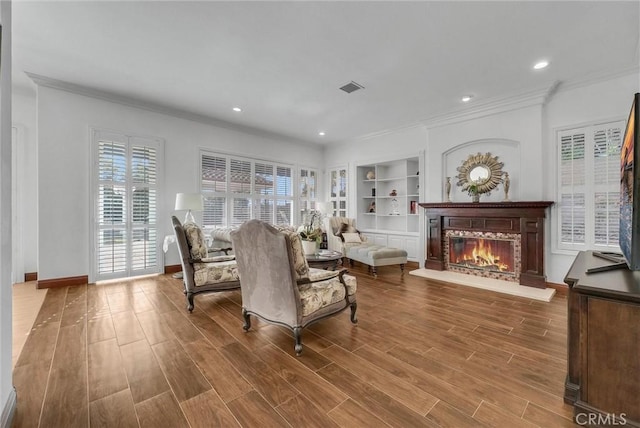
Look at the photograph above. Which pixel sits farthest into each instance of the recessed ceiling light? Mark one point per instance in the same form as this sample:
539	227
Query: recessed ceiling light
238	109
540	65
466	98
321	133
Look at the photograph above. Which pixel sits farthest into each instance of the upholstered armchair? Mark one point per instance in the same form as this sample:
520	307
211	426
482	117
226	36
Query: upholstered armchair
279	287
200	273
336	228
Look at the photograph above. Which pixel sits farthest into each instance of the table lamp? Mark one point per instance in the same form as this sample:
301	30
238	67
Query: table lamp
189	202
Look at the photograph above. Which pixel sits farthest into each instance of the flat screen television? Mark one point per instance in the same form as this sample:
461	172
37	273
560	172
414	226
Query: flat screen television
630	189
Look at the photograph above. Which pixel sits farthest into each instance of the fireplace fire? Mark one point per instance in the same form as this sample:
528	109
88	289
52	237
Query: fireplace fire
485	254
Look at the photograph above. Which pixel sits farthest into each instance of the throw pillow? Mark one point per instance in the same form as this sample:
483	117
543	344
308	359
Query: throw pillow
351	237
196	241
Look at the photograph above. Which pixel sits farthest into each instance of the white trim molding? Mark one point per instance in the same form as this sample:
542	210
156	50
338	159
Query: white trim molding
9	409
87	91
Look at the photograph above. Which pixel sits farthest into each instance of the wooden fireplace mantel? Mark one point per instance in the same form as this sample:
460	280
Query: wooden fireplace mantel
523	217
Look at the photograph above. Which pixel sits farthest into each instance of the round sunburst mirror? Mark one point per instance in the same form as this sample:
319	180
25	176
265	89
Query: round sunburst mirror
482	170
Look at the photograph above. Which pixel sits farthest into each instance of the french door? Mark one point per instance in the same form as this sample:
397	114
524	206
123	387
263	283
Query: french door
126	174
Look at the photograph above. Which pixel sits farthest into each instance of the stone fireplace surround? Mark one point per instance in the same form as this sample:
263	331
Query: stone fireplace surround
514	238
523	218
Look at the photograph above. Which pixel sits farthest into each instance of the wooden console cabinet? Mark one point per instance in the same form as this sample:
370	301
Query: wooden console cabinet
603	341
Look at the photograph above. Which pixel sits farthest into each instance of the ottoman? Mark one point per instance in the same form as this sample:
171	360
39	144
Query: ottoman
377	255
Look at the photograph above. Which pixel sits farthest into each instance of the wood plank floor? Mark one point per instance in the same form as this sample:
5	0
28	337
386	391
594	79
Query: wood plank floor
27	300
424	353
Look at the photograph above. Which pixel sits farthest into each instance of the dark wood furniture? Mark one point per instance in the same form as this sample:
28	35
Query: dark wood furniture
524	218
329	260
603	341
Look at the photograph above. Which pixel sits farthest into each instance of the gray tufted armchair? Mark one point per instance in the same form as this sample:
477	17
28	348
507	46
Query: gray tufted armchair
279	287
201	273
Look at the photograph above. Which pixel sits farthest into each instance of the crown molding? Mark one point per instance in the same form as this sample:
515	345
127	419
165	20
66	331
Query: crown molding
91	92
598	78
489	107
496	105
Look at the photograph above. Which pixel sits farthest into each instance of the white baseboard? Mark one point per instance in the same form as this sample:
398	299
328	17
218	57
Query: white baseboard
8	410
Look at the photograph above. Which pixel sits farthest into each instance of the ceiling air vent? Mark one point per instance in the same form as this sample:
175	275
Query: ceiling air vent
351	87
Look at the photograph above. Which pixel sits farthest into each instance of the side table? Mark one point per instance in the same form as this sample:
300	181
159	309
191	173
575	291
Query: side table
329	260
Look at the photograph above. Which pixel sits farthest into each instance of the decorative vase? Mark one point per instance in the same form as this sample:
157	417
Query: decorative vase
475	197
447	189
309	247
506	183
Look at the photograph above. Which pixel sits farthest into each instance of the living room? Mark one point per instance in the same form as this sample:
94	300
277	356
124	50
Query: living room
54	114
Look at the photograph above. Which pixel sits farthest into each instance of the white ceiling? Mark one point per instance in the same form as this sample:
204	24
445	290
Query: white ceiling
283	62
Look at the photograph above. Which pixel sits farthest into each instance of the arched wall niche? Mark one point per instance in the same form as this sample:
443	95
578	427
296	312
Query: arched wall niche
507	151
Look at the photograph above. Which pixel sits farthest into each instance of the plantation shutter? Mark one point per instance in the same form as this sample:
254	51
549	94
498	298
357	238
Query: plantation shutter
213	185
237	189
126	240
264	186
240	184
606	175
284	193
144	198
112	200
589	169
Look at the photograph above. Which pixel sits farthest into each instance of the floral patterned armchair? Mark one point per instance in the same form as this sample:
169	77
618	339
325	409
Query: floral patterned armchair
279	287
201	273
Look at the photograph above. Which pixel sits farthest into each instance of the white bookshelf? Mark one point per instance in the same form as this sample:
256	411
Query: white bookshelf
400	228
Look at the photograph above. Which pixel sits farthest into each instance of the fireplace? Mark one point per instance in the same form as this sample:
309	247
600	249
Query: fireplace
486	254
500	240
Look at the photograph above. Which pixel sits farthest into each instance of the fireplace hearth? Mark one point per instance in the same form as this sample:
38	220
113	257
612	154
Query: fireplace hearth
513	231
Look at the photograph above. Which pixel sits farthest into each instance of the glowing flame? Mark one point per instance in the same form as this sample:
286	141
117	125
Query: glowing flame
482	256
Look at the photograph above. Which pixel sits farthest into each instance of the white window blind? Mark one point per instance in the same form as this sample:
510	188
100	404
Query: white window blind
237	189
126	203
589	186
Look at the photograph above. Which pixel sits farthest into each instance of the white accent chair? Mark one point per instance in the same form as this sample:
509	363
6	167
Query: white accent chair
333	227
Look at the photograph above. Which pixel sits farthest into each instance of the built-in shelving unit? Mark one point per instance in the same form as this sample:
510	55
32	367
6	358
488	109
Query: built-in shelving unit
395	221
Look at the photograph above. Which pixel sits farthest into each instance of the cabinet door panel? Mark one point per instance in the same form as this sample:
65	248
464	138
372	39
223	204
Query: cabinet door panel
380	240
411	245
396	242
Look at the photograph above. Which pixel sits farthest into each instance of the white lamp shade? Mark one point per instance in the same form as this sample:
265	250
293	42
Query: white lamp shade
189	201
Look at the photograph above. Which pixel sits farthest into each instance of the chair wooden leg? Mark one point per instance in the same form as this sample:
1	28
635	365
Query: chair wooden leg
190	301
402	268
247	320
354	318
374	272
297	334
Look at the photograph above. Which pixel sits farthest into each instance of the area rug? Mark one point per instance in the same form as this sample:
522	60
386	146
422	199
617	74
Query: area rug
506	287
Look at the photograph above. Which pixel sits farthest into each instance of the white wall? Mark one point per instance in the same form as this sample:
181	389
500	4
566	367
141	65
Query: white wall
575	106
523	138
388	146
23	110
513	136
64	120
7	393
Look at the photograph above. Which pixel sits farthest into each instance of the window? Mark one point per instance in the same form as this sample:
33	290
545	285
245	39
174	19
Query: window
589	186
338	192
126	176
236	189
308	191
